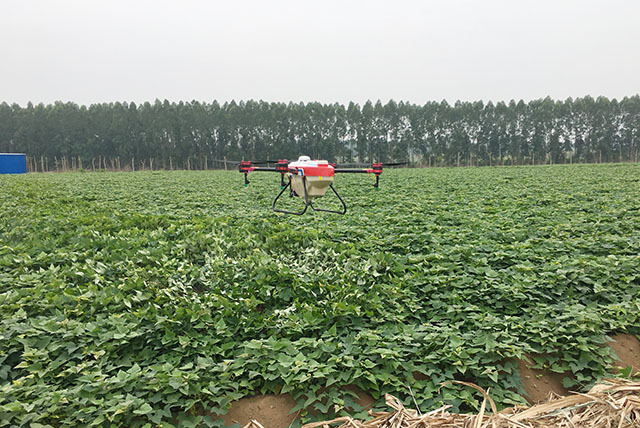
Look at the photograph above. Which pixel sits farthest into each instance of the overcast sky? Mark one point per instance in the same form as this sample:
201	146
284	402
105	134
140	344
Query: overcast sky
328	51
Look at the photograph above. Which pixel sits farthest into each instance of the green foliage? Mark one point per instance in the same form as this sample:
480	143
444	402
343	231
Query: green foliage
137	299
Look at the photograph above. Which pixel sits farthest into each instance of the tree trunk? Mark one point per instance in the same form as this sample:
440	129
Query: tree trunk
620	148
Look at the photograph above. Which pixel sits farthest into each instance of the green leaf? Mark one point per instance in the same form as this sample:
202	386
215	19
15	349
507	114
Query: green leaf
144	409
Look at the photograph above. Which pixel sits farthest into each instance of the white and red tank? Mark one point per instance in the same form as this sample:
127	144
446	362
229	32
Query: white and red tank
318	175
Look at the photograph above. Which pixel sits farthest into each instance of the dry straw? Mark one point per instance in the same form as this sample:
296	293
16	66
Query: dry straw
615	403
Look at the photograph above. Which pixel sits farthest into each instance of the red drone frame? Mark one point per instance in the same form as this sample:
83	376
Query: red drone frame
309	179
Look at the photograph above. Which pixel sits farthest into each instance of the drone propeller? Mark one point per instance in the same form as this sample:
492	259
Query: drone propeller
395	163
232	162
235	162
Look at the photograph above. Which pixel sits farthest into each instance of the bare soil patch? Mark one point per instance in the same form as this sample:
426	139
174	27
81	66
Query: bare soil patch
627	348
539	383
271	410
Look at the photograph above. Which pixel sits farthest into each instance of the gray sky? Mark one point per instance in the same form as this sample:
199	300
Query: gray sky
279	50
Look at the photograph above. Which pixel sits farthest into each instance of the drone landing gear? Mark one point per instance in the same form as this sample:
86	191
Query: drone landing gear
344	206
307	201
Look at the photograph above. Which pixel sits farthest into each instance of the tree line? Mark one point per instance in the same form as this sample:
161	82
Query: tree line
196	135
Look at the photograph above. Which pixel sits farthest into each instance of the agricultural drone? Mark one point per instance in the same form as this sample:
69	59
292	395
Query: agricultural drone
309	179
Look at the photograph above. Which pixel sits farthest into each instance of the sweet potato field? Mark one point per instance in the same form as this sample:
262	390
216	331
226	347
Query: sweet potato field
158	298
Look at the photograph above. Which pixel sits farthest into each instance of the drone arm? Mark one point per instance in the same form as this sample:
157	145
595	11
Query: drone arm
352	171
282	167
376	169
259	168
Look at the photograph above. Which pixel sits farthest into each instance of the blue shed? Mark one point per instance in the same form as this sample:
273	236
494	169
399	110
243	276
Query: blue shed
13	163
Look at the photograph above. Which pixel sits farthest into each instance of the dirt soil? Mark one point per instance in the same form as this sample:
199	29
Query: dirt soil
539	383
627	348
270	410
